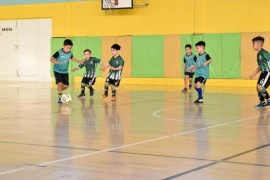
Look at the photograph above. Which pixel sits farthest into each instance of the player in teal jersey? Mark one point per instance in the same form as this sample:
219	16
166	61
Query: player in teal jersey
115	74
263	59
89	78
189	67
60	59
202	69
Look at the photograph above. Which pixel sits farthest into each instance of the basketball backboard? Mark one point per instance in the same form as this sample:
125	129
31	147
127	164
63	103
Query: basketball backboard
117	4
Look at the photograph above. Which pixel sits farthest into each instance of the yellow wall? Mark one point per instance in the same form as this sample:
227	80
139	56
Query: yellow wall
160	17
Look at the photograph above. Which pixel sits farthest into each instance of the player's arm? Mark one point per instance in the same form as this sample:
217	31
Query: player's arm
209	60
103	68
76	60
192	67
255	73
75	69
53	58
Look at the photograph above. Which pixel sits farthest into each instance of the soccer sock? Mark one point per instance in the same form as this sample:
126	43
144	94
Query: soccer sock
113	92
199	92
60	94
106	88
82	88
263	94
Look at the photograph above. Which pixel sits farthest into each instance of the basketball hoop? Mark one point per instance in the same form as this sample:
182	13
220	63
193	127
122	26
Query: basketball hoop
109	4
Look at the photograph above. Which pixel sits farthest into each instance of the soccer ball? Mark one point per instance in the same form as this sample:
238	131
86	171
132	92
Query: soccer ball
66	98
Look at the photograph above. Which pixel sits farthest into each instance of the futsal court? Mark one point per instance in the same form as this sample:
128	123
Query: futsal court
150	132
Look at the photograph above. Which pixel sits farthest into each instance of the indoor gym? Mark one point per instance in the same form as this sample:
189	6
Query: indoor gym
152	130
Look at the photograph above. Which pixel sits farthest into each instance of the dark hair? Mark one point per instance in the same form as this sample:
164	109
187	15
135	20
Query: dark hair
200	43
68	42
258	38
116	47
87	50
188	46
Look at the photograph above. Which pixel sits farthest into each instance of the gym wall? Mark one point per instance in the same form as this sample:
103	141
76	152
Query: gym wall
153	37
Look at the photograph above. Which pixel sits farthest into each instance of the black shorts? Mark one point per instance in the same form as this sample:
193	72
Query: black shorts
113	82
200	79
189	74
87	80
264	79
59	77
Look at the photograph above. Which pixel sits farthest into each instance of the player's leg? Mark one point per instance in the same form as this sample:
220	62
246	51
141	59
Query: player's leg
82	88
59	83
115	84
190	81
91	83
263	82
261	89
65	81
185	82
106	88
198	82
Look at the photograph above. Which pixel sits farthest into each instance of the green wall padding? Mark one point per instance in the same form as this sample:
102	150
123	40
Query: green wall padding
224	50
148	56
231	56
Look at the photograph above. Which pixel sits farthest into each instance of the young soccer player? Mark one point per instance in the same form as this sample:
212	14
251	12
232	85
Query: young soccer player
115	74
89	78
202	69
61	61
189	67
263	59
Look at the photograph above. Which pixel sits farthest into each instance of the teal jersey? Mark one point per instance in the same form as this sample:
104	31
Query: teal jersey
90	66
116	62
63	58
201	70
263	59
189	61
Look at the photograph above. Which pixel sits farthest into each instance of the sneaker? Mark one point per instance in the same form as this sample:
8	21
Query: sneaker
59	100
190	87
81	95
104	96
261	105
267	104
113	98
185	90
199	101
92	92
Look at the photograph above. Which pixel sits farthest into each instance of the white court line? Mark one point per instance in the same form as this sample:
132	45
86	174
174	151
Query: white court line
157	116
129	145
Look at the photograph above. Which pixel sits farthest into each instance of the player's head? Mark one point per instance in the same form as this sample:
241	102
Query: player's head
87	54
115	49
200	46
67	46
188	48
258	43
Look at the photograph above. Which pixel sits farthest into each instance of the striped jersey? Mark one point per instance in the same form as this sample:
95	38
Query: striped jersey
263	59
116	62
63	58
189	60
90	66
201	70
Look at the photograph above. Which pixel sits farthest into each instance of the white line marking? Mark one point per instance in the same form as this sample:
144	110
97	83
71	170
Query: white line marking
129	145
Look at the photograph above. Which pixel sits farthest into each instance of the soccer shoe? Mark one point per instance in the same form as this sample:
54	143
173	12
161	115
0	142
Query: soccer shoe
267	104
198	101
104	96
185	90
59	100
113	98
92	92
261	105
81	95
190	87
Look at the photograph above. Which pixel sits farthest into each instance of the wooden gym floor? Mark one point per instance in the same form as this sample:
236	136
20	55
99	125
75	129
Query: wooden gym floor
149	133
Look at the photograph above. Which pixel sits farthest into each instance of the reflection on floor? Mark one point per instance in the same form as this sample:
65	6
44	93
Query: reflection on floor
148	133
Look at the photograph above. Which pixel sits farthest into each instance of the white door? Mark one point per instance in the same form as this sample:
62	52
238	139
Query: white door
8	50
32	43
